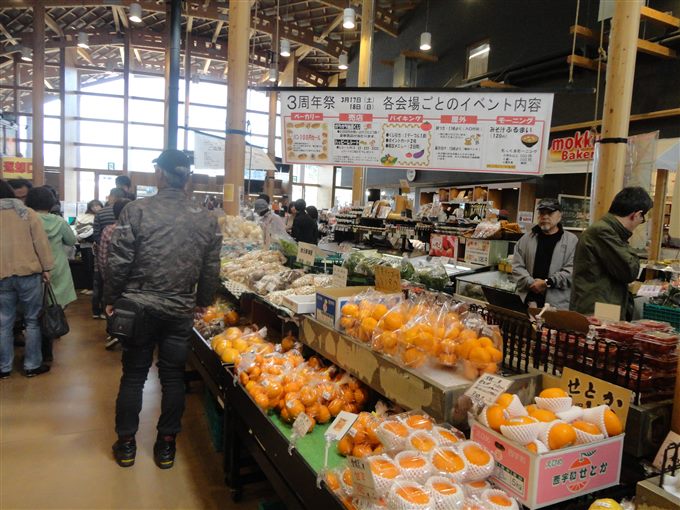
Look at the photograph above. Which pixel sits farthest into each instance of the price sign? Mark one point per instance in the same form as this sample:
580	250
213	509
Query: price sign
302	424
362	478
647	290
672	437
607	312
342	423
387	279
487	389
339	276
525	217
306	253
588	391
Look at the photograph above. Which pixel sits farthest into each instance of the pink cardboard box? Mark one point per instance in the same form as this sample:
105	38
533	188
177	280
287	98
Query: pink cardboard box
542	480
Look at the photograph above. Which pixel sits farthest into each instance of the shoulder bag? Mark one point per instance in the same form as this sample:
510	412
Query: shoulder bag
127	322
52	318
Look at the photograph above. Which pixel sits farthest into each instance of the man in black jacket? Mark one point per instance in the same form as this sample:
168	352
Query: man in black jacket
164	256
305	229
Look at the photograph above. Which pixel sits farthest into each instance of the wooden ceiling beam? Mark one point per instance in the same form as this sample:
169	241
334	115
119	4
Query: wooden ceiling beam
659	17
114	13
52	25
218	29
295	33
384	21
6	33
122	16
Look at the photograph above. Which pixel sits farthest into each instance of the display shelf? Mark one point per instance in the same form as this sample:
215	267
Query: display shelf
433	389
235	289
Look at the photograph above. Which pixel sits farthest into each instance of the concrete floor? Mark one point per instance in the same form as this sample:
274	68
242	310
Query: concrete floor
56	432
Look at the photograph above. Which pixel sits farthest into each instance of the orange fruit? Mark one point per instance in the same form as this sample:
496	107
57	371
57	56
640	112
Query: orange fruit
347	477
389	340
584	426
231	318
499	500
447	461
444	488
419	422
561	435
479	355
379	311
332	481
308	396
520	420
413	494
413	357
612	423
393	321
476	455
448	435
468	334
368	324
351	310
543	415
361	450
479	484
496	355
553	393
345	445
232	333
531	408
396	428
273	389
495	417
336	406
531	447
447	346
229	355
422	442
384	468
425	341
345	322
504	400
323	415
411	461
262	400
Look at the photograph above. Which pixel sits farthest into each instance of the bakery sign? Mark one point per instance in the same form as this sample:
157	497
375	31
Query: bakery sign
578	147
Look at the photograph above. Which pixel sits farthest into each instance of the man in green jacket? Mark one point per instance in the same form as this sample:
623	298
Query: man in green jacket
604	262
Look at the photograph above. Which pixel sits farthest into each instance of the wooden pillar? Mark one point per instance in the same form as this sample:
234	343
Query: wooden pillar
69	124
657	214
237	96
271	143
365	57
38	91
126	101
617	98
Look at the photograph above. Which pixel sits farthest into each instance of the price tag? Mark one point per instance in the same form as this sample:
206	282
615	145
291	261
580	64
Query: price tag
339	276
342	423
302	424
387	279
362	478
650	290
487	389
588	391
525	217
672	437
607	312
306	253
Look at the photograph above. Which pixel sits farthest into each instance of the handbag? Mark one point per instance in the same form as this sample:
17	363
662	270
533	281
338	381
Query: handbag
127	322
53	323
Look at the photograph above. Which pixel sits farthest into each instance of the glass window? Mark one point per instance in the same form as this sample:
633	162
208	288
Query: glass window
147	111
204	117
477	59
140	160
107	133
311	195
7	75
279	151
7	101
146	136
297	192
100	157
259	123
52	129
25	101
107	83
98	107
343	197
209	93
311	174
52	154
106	184
85	186
52	104
147	86
258	100
297	173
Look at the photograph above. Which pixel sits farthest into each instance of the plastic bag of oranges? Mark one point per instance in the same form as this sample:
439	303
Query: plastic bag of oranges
386	333
360	316
416	339
480	347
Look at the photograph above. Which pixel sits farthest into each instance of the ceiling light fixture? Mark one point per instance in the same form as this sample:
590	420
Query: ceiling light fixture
285	48
343	61
27	54
426	37
273	74
348	18
135	14
485	48
83	40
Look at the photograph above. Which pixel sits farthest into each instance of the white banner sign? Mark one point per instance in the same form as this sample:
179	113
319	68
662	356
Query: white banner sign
209	155
463	131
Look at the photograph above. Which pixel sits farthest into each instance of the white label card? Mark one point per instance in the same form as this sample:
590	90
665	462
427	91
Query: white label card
672	437
302	424
339	276
306	254
362	478
607	312
342	423
487	389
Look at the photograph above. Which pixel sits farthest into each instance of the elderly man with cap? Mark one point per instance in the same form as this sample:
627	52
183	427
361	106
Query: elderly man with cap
272	224
164	259
543	261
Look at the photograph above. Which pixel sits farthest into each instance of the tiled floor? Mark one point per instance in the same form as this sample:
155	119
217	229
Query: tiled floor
56	432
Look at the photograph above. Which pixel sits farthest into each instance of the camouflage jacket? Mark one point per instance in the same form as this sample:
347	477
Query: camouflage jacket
164	254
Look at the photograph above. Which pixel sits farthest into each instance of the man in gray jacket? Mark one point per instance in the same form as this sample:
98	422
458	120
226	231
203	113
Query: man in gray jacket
164	256
543	261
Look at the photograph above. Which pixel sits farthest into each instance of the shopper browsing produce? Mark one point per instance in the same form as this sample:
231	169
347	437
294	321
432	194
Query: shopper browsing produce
544	259
305	229
604	263
272	224
164	259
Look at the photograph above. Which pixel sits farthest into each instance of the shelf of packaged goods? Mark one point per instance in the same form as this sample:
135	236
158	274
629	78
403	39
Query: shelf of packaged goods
435	390
235	289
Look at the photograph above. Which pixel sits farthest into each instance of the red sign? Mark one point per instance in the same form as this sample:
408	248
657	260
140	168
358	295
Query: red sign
516	121
404	117
356	117
458	119
306	116
17	168
579	147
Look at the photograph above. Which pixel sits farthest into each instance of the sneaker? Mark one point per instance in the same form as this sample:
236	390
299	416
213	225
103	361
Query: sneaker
95	316
37	371
111	343
164	452
5	375
124	451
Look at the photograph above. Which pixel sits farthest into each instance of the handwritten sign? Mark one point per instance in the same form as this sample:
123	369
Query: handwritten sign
672	437
306	253
487	389
340	426
648	290
387	279
588	391
362	478
607	312
339	276
302	424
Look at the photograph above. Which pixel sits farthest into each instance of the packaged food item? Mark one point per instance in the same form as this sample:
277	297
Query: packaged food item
656	342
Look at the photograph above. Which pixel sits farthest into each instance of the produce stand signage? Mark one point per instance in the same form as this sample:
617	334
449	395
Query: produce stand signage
463	131
17	168
387	279
444	246
587	391
306	253
340	276
362	478
487	389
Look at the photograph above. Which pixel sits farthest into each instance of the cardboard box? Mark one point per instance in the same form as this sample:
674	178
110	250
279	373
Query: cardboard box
329	303
300	304
555	476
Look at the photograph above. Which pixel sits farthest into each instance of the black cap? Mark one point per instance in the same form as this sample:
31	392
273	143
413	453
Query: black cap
300	205
551	204
172	160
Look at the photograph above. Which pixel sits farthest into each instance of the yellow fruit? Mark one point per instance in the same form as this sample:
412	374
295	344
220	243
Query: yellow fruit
504	400
485	341
230	355
586	427
240	344
393	321
496	355
499	500
379	311
543	415
612	423
448	461
413	495
351	310
413	357
479	355
561	435
495	417
553	393
475	455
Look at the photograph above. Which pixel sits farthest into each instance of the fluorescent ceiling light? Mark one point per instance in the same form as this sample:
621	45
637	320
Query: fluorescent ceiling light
485	48
348	18
135	14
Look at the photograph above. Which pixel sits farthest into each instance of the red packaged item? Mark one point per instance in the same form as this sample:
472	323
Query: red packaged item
656	342
619	333
667	362
649	324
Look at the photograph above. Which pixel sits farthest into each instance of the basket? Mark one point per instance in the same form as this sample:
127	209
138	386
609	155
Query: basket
662	313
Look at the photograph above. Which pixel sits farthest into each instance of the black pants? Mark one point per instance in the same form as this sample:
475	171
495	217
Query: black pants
172	338
97	293
88	259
